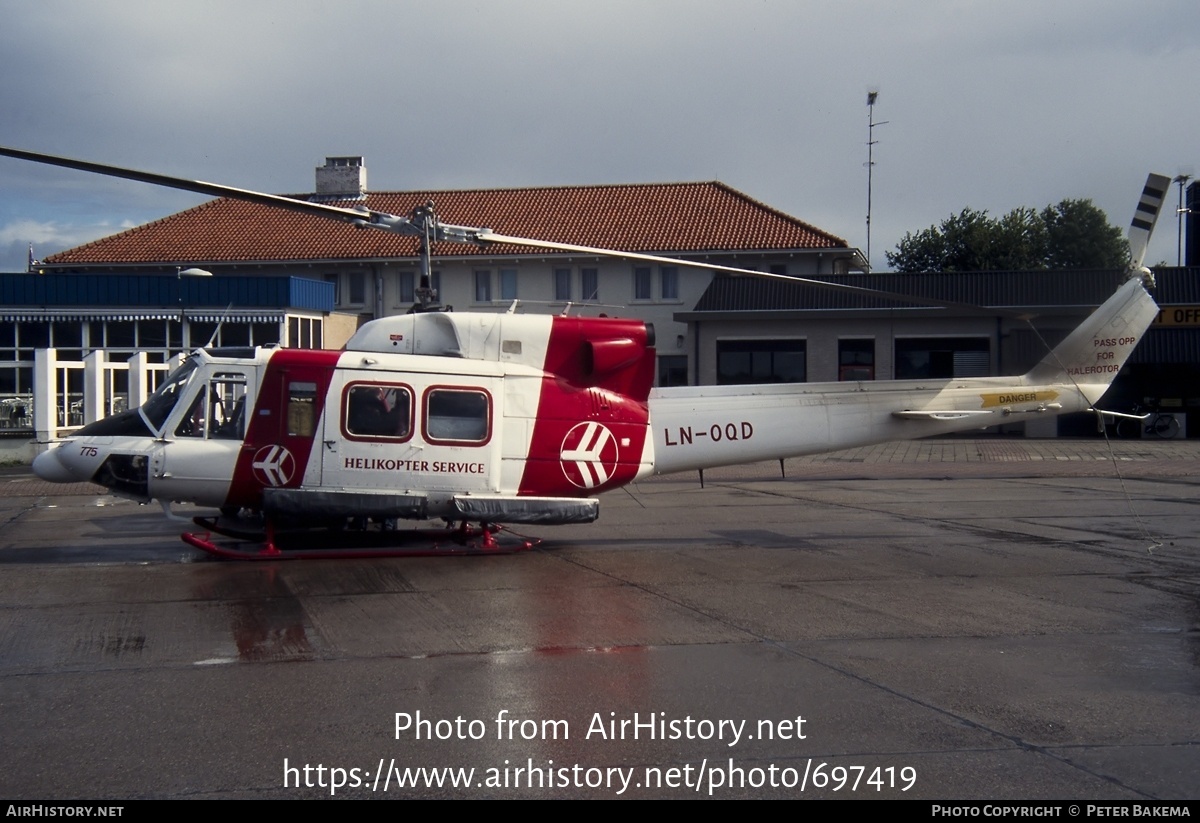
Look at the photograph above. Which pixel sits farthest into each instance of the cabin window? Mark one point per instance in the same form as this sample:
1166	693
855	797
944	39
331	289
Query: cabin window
192	424
301	420
458	416
227	406
377	411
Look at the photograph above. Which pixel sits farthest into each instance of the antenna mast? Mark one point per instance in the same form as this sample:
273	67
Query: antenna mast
872	94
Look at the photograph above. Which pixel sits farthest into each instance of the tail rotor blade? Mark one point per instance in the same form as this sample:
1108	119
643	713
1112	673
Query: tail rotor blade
1144	218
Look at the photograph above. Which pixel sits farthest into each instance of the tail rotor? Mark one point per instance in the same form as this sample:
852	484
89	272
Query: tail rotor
1144	218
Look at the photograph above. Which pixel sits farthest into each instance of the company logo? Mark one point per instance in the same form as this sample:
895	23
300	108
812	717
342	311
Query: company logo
589	455
273	466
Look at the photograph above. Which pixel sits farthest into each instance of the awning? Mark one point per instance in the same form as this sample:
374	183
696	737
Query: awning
159	314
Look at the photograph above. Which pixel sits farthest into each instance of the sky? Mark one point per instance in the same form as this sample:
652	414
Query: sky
991	105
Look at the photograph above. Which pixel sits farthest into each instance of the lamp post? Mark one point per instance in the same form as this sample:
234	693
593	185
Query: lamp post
1182	180
180	273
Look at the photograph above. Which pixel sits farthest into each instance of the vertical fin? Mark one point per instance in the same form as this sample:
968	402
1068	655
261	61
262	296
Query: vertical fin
1093	354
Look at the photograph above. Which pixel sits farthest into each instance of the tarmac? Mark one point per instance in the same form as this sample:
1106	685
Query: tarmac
984	619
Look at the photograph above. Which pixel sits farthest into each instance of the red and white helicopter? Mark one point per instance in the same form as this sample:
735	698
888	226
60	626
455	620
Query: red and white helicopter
490	419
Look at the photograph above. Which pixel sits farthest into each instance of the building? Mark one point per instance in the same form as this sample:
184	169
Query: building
78	347
374	273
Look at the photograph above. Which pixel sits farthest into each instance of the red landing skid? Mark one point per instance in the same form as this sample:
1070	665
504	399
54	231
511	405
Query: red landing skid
325	544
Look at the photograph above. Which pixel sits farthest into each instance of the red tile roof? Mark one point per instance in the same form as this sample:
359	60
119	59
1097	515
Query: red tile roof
677	217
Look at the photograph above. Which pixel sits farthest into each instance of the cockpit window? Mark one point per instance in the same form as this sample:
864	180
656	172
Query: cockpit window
219	410
160	405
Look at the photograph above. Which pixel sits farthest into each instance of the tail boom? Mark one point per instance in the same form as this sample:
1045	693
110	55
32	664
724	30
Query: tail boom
707	426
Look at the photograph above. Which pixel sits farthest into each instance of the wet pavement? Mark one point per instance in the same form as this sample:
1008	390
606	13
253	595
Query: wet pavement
987	619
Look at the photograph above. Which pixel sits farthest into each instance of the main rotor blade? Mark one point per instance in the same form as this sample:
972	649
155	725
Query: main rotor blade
1144	218
1155	191
198	186
970	308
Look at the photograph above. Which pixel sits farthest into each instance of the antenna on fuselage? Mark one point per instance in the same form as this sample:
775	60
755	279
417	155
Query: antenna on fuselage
224	316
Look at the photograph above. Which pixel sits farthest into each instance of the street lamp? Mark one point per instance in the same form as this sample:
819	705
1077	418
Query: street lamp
1182	180
180	273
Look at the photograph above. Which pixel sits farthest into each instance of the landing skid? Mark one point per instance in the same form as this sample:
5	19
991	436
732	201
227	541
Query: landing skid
325	544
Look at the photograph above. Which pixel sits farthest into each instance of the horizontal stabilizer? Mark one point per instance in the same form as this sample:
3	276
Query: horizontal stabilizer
1121	415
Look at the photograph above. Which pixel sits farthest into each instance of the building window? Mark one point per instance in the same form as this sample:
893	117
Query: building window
761	361
16	374
68	339
508	284
641	283
265	334
304	333
336	280
562	284
406	287
235	334
777	268
942	357
590	281
856	359
483	286
358	288
672	370
122	334
670	282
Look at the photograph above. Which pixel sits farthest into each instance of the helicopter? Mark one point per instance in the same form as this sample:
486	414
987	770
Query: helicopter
488	420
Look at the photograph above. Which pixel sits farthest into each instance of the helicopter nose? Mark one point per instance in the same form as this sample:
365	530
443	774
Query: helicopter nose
48	466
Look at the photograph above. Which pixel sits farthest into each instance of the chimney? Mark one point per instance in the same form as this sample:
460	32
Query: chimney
342	178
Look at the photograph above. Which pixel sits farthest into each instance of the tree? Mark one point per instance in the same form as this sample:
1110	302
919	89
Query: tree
1080	237
1074	234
